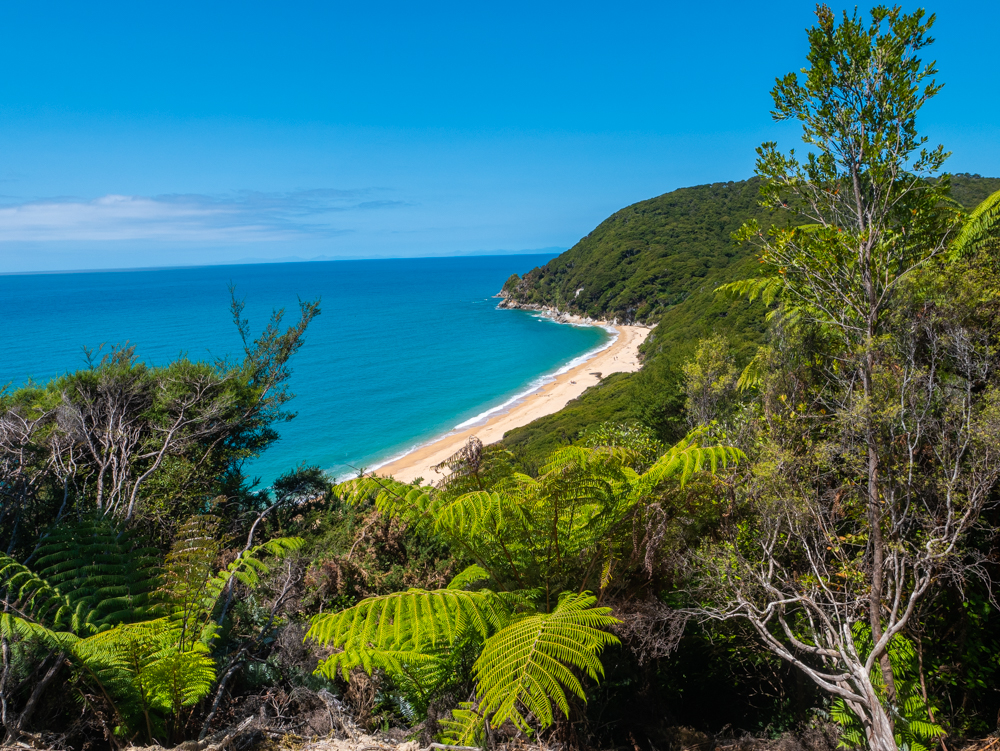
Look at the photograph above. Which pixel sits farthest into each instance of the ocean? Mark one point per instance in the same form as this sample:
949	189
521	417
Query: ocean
405	350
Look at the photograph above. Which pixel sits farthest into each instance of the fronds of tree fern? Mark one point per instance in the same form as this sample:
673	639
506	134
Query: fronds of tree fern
391	497
191	587
405	627
529	665
689	456
465	728
147	648
89	575
108	569
538	544
981	230
767	288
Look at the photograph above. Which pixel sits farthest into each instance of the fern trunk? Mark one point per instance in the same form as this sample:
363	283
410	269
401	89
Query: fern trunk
15	729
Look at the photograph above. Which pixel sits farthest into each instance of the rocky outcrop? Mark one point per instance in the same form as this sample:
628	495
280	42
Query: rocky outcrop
509	303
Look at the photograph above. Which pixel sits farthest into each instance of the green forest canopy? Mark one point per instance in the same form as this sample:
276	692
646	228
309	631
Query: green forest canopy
658	262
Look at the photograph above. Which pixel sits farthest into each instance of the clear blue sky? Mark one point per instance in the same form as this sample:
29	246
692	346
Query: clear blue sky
150	134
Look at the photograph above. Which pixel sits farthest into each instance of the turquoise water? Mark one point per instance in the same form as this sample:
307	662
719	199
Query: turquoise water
404	351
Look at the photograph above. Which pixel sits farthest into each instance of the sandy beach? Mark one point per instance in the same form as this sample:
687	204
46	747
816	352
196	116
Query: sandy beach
622	356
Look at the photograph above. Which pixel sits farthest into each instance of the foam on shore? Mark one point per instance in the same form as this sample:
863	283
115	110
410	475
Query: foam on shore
548	395
537	384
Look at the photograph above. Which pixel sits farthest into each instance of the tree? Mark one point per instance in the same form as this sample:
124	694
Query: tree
130	440
709	379
877	426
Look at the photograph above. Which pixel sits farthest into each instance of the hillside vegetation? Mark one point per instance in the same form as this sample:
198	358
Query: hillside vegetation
659	262
649	257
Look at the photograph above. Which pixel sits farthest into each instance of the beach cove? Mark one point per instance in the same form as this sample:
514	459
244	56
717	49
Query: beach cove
621	356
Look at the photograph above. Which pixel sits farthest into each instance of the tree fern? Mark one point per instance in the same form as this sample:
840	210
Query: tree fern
181	679
752	376
528	666
387	631
89	575
767	288
191	586
465	728
419	638
470	575
390	497
96	598
110	570
38	600
537	543
689	456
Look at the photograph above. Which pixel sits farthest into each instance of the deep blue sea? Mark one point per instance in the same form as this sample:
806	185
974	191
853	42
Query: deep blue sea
404	350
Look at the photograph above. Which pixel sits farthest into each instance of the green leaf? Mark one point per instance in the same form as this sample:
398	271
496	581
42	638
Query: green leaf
528	666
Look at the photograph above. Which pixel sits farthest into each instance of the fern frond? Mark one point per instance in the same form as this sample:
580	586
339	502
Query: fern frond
527	666
12	626
465	728
390	497
767	288
471	513
128	646
687	457
583	458
980	231
190	588
248	566
105	571
417	621
180	679
752	375
396	662
470	575
38	599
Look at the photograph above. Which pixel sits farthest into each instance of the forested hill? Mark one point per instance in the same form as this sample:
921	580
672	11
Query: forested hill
660	261
654	254
645	257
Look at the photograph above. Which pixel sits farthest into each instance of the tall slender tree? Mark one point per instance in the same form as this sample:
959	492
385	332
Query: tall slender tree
877	428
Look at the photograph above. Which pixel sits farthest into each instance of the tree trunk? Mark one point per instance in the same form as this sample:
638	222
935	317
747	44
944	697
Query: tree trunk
5	652
880	733
875	525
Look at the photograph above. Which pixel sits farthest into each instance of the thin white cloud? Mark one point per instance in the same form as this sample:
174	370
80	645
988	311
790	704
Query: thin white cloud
242	217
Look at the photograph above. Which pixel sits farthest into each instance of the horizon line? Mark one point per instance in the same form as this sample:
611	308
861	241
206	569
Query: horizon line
553	250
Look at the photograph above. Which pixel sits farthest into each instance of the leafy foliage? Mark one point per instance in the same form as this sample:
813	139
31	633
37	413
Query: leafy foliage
132	441
539	545
92	575
679	252
142	636
980	232
915	729
527	666
405	627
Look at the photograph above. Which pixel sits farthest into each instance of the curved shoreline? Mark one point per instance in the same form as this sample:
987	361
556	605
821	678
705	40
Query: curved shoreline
621	356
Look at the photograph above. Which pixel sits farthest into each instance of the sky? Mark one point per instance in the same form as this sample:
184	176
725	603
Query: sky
183	133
